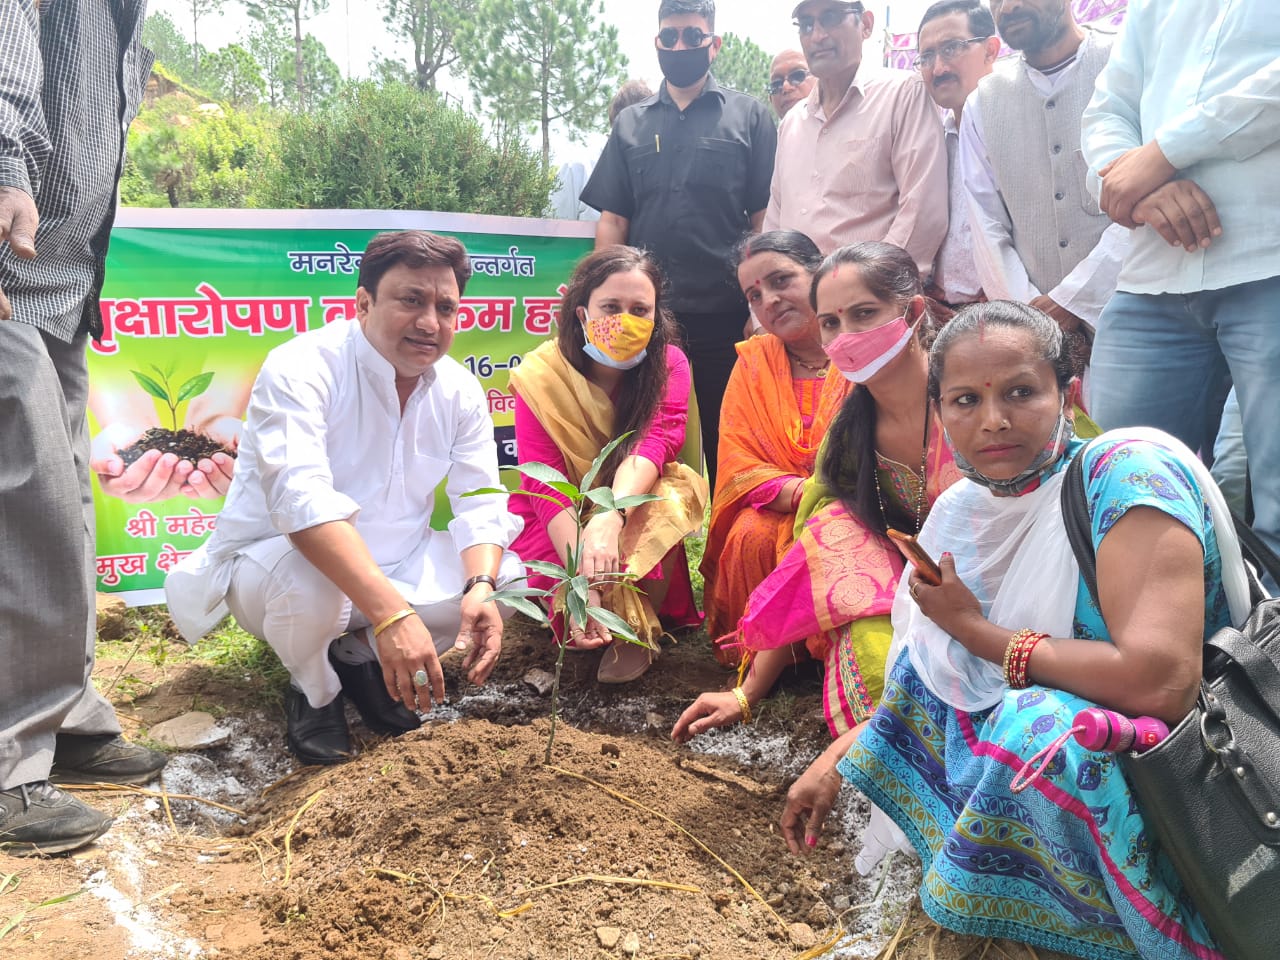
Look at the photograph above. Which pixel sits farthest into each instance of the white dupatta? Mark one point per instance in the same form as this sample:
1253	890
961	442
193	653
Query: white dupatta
1013	553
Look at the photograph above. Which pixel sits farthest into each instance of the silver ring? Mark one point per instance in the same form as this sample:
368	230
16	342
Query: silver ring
420	678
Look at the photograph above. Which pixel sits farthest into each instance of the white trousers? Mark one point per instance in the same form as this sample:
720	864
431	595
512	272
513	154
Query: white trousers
299	611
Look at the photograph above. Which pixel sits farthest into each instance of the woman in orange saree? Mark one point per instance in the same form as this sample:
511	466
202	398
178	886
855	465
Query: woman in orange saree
781	397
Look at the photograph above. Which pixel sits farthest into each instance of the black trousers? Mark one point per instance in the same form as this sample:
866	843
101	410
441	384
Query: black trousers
708	342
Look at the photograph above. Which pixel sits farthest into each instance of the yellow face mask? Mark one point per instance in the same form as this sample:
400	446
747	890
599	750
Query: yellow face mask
619	340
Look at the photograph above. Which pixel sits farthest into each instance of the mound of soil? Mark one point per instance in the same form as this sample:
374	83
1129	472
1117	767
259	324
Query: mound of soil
186	444
455	841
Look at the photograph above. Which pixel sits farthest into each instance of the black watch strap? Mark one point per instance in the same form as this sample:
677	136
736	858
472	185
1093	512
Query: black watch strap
479	578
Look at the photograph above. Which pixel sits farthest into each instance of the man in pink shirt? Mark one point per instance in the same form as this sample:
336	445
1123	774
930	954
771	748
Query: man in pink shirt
863	158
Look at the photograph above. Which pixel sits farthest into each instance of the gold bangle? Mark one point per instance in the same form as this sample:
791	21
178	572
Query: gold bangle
743	703
394	618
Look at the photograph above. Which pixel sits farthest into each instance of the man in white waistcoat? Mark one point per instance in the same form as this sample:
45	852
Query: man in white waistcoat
1040	237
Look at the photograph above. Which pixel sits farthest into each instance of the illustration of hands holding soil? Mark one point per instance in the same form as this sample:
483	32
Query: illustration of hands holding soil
139	459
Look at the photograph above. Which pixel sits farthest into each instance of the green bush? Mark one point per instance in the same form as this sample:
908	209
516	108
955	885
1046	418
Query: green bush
187	155
395	148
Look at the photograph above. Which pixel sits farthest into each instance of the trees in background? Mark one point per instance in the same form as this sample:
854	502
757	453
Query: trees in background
199	9
539	63
430	26
162	36
742	65
320	78
234	75
291	13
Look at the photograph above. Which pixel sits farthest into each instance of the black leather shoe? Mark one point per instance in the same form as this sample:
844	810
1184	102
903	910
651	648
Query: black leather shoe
363	685
106	758
317	735
38	818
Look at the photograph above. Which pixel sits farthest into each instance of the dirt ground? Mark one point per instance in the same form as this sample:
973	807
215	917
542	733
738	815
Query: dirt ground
456	842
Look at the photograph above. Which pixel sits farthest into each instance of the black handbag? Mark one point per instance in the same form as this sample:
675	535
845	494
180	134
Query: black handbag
1210	792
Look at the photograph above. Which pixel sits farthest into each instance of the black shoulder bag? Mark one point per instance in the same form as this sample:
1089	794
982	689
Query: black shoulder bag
1210	792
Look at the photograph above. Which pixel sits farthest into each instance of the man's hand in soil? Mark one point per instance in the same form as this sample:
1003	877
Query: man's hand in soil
153	476
480	633
18	221
404	648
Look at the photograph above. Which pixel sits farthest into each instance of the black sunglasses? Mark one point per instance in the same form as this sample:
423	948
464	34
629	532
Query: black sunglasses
830	18
796	77
693	37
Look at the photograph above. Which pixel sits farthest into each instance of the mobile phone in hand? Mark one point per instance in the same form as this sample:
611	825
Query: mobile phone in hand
915	554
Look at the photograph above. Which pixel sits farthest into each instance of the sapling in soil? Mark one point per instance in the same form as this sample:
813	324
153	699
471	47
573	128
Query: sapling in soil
569	590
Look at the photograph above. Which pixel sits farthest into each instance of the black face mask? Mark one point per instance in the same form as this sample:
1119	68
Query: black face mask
684	68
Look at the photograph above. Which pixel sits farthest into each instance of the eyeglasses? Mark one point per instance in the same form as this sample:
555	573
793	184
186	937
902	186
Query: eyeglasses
830	18
946	53
796	77
692	36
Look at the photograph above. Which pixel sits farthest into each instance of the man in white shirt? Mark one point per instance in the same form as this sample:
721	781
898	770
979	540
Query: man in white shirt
1185	134
862	157
1040	236
326	529
957	46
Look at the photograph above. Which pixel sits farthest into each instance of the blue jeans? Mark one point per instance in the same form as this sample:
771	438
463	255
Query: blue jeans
1167	360
1230	462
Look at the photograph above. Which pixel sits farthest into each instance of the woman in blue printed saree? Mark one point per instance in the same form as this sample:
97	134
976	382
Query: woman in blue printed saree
991	666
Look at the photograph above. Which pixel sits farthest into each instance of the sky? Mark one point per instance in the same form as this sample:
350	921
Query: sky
353	32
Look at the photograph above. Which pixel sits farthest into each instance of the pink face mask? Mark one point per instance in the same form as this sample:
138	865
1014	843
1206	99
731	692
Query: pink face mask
860	356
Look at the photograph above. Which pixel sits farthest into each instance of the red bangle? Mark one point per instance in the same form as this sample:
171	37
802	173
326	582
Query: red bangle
1017	657
796	496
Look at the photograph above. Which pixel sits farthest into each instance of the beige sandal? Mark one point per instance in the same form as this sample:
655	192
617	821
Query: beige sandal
624	661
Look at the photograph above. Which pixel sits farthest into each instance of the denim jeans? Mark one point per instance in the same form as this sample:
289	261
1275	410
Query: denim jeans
1167	361
1230	462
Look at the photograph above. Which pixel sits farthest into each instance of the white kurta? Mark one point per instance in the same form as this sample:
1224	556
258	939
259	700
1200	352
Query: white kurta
325	440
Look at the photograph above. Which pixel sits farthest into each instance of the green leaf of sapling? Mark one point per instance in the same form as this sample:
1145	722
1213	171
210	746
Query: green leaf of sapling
602	496
589	477
547	569
545	474
626	503
576	604
530	609
613	623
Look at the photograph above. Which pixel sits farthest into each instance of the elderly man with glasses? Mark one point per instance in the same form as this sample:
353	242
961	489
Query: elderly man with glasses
957	46
685	174
863	157
789	81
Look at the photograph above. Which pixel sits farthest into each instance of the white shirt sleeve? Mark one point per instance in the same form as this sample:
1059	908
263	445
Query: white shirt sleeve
1087	288
1237	123
1112	123
288	418
1003	275
474	465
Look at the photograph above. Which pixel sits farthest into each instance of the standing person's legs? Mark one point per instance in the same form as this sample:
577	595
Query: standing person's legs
91	715
1230	461
44	598
1156	363
1248	317
709	340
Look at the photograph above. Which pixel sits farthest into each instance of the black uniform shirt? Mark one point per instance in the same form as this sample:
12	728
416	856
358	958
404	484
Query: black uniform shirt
688	182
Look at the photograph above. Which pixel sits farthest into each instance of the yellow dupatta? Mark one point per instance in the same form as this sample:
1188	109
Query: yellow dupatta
579	418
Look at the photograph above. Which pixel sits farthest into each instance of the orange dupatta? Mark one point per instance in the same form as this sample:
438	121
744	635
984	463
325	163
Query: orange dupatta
762	437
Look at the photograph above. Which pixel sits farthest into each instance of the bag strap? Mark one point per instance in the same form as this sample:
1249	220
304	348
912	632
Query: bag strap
1075	515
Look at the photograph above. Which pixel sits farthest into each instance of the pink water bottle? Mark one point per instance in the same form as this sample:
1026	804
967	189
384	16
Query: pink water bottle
1106	730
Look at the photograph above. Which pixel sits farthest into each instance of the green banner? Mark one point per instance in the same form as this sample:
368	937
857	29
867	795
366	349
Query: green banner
194	300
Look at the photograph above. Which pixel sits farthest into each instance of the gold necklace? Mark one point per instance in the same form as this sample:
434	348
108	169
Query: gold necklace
821	371
920	492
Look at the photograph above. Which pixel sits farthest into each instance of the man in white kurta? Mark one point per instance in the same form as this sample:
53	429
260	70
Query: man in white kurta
325	537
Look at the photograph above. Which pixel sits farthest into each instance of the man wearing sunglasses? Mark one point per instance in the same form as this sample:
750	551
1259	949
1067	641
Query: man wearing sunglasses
789	81
685	174
862	158
957	48
1039	237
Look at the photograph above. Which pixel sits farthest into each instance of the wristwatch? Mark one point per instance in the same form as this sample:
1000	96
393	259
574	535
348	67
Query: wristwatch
479	578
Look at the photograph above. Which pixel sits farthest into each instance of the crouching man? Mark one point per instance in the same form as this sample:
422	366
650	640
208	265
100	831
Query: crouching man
324	548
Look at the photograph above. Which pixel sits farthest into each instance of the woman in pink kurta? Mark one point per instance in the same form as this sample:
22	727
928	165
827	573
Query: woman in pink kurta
612	370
